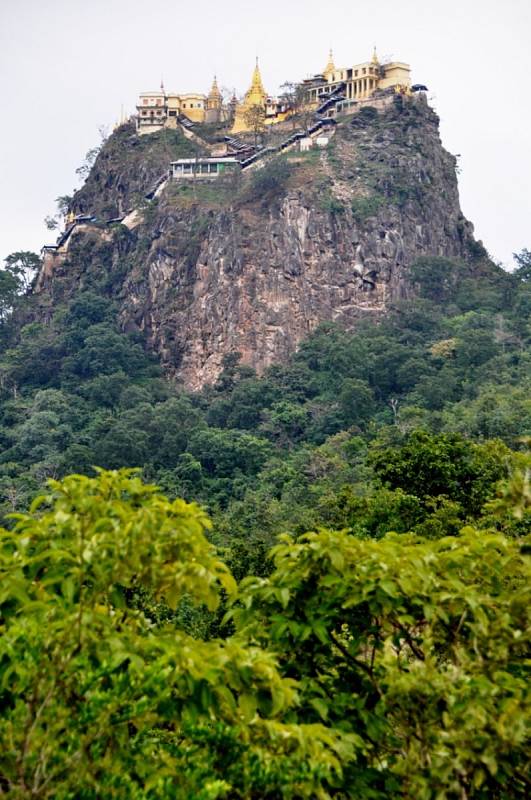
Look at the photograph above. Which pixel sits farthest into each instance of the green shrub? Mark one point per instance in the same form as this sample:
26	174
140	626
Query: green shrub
364	207
332	205
270	180
368	112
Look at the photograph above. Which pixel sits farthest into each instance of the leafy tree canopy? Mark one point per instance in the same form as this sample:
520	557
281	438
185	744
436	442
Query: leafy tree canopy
358	668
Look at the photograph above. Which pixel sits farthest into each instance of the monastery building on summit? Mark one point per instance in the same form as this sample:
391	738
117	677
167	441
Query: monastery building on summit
161	109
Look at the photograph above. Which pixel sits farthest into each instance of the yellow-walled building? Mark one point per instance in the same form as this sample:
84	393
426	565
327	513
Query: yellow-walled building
193	106
161	109
360	81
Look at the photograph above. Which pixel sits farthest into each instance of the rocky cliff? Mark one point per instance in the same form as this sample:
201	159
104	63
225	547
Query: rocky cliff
127	167
254	262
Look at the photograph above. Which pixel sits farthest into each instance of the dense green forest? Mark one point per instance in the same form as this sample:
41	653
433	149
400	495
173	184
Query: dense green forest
381	655
441	383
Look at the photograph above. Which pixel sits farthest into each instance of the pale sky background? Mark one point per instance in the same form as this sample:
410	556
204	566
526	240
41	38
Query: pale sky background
67	66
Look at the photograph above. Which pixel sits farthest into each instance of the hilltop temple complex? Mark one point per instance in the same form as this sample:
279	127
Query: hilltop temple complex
159	109
316	105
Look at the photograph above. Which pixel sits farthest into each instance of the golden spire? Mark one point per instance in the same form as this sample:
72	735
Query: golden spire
256	95
214	93
256	84
330	67
374	59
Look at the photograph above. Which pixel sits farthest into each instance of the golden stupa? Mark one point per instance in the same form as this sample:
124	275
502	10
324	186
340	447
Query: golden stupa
256	95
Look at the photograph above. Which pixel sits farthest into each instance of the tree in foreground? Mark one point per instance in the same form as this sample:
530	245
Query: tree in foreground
416	646
358	669
254	118
104	697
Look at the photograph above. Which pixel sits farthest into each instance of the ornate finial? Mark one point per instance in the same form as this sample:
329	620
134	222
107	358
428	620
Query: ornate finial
330	67
162	85
214	99
214	94
374	59
257	79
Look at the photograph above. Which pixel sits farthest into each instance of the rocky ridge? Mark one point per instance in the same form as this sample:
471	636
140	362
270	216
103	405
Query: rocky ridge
254	263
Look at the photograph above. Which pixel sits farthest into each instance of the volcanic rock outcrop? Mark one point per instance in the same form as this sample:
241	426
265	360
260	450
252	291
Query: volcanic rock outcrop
252	263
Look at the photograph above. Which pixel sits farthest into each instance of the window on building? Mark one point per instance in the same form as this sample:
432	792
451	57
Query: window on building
187	169
144	101
364	71
213	168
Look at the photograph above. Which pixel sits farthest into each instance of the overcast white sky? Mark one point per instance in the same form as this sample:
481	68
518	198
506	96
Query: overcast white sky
67	66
